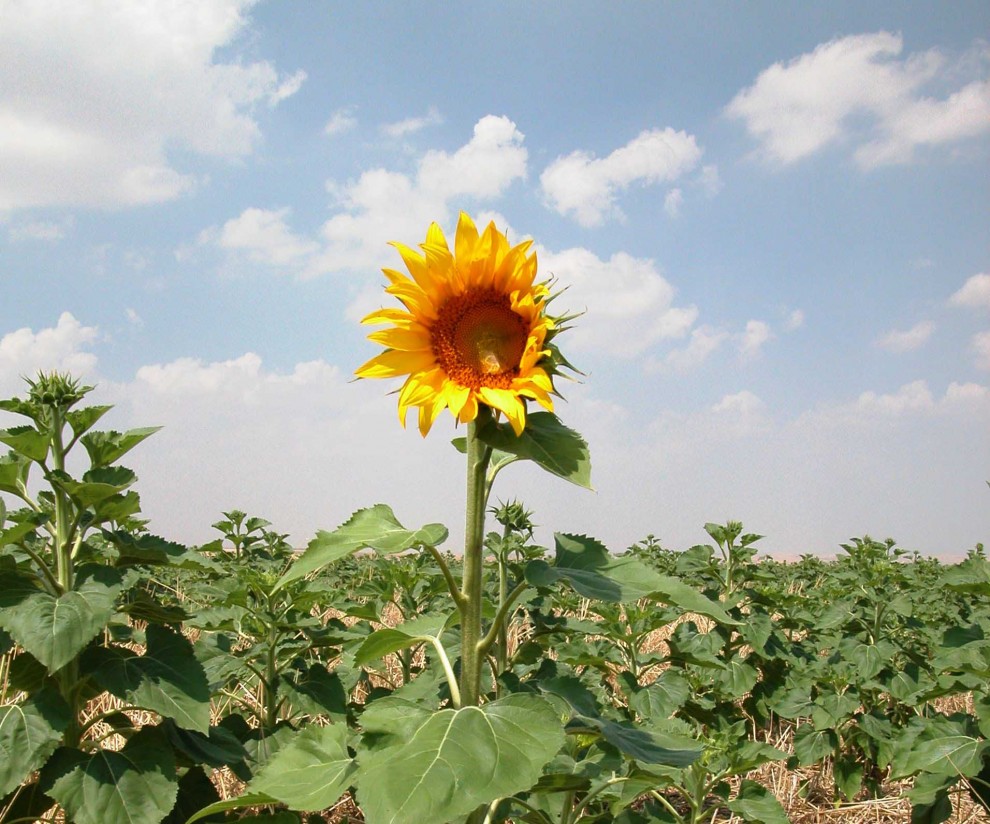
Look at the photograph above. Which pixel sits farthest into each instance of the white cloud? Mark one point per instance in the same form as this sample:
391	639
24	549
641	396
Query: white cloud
912	397
980	344
24	352
586	186
413	124
974	293
629	305
263	236
383	205
909	339
823	97
751	341
672	202
76	127
133	318
703	342
342	120
46	231
710	180
795	320
744	402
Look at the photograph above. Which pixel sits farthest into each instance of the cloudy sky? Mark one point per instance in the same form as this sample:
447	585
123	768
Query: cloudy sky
774	218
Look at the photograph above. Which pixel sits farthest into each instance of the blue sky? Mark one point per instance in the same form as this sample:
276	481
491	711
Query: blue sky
773	216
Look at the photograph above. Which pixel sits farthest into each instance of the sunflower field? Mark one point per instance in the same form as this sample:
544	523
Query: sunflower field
379	677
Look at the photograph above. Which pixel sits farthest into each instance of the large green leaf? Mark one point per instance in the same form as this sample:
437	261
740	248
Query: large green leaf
756	803
82	420
595	573
433	767
134	786
392	639
167	679
373	528
106	447
648	746
546	442
97	484
662	698
29	733
14	471
27	441
55	630
942	755
311	773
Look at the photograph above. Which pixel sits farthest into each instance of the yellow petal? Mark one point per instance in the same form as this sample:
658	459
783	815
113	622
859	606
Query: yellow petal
405	339
466	240
455	396
393	363
398	316
470	409
508	402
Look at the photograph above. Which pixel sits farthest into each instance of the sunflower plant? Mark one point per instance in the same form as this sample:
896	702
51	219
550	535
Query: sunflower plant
475	337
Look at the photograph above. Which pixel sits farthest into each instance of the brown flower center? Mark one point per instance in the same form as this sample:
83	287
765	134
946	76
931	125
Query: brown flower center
478	340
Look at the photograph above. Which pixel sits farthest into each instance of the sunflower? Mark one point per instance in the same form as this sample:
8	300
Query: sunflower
474	330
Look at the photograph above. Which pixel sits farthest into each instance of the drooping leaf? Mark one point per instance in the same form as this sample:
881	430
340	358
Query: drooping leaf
661	698
648	746
316	692
373	528
437	766
166	679
757	804
136	785
29	733
55	630
311	772
196	791
548	443
811	745
218	748
943	755
14	471
392	639
106	447
595	573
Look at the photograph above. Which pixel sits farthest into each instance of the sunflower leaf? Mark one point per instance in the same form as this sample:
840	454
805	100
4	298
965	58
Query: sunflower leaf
373	528
548	443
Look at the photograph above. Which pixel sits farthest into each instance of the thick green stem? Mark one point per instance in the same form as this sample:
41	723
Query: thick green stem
478	455
68	676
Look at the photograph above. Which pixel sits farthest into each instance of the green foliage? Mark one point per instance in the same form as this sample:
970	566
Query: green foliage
341	669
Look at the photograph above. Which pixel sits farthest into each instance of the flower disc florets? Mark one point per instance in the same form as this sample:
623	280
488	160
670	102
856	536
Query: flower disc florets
474	329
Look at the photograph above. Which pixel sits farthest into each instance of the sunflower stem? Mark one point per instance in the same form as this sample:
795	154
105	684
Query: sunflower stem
478	455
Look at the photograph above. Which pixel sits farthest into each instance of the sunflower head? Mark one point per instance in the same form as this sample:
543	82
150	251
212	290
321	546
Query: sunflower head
473	331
